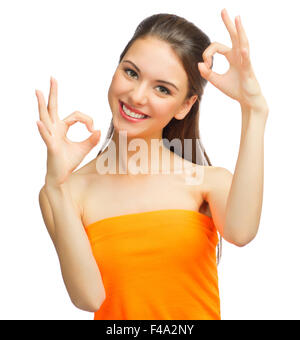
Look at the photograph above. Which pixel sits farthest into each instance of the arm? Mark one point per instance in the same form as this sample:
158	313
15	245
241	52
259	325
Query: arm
236	200
245	199
79	269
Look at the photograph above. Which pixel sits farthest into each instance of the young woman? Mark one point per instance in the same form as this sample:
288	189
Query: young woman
142	244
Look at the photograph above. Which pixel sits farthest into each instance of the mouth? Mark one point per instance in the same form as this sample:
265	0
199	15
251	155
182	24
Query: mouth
131	115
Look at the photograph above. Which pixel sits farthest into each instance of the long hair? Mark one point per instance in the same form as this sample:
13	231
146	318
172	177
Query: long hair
189	43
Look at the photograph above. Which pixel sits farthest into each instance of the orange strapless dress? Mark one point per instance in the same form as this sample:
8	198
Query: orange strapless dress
157	265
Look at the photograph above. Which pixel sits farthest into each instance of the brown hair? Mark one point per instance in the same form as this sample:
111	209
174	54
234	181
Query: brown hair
189	43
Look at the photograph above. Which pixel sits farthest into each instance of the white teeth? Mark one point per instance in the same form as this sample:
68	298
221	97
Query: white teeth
132	114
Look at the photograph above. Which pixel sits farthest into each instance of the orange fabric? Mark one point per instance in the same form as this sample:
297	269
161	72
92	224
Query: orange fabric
157	265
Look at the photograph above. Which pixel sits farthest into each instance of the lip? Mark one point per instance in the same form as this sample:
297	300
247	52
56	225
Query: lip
132	119
134	110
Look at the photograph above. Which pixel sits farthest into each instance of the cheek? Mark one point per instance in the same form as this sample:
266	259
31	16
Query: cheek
165	111
119	84
116	88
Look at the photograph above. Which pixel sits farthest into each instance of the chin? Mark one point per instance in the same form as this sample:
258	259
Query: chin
131	132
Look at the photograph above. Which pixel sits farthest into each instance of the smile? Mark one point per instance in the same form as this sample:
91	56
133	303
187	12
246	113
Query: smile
129	115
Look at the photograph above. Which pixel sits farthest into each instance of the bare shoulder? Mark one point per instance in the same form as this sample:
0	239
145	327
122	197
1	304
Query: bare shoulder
197	176
217	178
218	174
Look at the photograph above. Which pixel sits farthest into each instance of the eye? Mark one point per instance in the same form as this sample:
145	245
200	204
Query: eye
130	70
167	91
126	70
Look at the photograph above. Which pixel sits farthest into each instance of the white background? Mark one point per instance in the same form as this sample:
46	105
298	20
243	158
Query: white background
79	43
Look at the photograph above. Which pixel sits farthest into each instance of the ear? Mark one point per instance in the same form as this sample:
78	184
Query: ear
185	108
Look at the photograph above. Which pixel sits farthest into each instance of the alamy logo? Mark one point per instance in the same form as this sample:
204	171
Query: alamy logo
138	162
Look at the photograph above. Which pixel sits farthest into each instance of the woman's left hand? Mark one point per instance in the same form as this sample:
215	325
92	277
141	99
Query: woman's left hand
239	82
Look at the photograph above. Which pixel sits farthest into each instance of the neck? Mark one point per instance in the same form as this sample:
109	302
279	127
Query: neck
138	156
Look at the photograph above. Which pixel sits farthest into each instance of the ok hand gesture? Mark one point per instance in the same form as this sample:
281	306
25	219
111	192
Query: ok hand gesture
239	82
63	155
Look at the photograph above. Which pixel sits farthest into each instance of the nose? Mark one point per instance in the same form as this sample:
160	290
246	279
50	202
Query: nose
138	95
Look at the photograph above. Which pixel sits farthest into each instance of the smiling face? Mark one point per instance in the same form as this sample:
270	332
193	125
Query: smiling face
140	82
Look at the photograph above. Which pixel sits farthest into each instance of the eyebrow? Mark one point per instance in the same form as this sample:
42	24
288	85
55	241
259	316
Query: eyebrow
159	80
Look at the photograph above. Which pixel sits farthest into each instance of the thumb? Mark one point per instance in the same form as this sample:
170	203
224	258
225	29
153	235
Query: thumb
211	76
92	141
204	70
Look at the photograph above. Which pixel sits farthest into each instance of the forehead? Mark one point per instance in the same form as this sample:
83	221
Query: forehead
157	60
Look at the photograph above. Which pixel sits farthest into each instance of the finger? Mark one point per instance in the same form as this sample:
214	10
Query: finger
43	112
90	142
213	48
209	75
52	100
43	132
243	40
80	117
246	63
230	28
244	45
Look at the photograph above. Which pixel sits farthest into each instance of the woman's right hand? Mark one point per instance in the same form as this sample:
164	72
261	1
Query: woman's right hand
63	155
